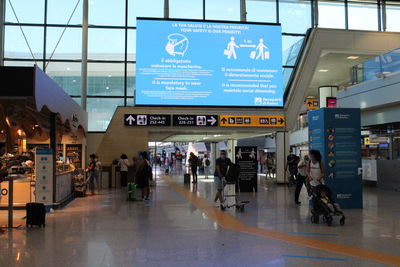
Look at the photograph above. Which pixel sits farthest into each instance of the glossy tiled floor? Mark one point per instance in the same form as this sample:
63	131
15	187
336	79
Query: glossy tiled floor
173	229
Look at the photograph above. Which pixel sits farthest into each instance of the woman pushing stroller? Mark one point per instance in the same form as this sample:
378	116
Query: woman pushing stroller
320	193
315	169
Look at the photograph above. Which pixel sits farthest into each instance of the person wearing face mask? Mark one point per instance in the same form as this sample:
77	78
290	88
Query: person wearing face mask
221	169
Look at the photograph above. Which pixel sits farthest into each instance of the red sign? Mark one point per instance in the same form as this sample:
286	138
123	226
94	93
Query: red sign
331	102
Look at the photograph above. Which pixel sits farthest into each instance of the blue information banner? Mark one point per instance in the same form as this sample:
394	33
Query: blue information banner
336	133
197	63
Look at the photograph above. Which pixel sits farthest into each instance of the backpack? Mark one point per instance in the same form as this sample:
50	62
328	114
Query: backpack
147	171
207	162
233	173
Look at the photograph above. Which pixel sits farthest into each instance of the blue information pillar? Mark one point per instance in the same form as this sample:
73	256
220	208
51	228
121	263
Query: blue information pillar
336	133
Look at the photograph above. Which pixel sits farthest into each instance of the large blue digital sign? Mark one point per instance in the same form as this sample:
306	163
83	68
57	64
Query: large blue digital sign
197	63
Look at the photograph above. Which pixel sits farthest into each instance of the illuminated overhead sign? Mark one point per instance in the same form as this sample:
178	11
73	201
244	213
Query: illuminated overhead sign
251	121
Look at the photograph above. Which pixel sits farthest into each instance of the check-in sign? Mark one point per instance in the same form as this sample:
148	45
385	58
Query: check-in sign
147	120
251	121
195	120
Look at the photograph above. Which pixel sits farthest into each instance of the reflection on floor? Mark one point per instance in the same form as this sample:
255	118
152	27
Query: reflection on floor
106	230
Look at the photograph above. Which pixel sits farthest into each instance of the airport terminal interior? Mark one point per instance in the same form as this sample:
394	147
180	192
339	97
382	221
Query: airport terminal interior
199	133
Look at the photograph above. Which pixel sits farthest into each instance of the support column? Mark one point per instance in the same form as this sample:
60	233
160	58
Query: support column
243	11
85	23
231	149
166	9
282	150
53	146
315	13
213	156
2	19
384	21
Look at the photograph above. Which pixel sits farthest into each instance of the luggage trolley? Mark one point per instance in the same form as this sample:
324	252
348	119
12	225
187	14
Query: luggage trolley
231	198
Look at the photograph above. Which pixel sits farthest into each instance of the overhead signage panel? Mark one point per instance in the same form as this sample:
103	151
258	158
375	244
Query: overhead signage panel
147	120
195	120
251	121
178	65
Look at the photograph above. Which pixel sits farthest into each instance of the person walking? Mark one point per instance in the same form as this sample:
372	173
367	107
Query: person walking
144	174
207	164
123	163
193	163
92	173
301	178
315	169
291	163
221	169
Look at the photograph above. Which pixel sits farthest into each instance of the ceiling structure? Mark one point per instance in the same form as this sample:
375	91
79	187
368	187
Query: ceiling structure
334	68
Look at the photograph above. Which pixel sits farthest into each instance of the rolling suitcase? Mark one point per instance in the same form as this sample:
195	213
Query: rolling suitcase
131	191
35	214
186	178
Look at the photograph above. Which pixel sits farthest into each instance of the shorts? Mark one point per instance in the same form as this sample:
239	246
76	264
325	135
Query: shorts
219	182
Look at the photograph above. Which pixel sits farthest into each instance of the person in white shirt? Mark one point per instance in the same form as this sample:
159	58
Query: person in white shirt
301	177
315	169
124	164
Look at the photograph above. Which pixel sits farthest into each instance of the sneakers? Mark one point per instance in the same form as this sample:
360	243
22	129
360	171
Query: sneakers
297	202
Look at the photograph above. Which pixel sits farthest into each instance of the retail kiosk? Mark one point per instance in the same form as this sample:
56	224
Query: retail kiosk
36	113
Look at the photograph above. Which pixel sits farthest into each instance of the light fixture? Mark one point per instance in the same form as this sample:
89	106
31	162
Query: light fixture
19	132
107	87
230	9
109	76
68	68
322	70
352	57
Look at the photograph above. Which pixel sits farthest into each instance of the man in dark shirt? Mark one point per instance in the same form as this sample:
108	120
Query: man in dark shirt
194	163
291	163
221	169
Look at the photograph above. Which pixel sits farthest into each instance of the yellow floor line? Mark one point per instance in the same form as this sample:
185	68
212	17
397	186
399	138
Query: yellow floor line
227	221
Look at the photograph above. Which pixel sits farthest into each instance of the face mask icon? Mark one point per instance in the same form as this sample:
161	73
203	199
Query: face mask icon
177	44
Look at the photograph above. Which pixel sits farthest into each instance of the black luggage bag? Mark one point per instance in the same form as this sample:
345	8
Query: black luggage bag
186	178
35	214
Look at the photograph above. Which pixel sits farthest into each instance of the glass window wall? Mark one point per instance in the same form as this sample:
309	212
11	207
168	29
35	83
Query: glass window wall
27	11
261	11
69	44
331	14
393	16
106	12
363	15
147	8
106	79
15	45
100	112
223	10
59	12
185	9
295	15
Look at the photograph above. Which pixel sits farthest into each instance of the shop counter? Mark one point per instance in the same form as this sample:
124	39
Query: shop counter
23	192
63	186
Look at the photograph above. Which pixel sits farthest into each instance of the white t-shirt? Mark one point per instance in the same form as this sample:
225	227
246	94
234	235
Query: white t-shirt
123	164
315	172
302	170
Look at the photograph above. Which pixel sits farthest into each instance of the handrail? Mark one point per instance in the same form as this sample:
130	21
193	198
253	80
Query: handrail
377	67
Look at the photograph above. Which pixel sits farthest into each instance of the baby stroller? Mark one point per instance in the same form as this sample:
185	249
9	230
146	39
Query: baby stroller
325	206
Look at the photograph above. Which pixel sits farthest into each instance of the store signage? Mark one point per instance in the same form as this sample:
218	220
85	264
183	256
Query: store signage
44	175
379	140
312	103
195	120
147	120
331	102
367	142
251	121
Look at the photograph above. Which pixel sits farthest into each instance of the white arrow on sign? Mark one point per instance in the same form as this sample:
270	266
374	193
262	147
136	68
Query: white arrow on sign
212	120
130	119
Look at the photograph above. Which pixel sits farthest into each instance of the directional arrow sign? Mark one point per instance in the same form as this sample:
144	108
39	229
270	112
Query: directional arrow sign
147	120
195	120
251	121
130	120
